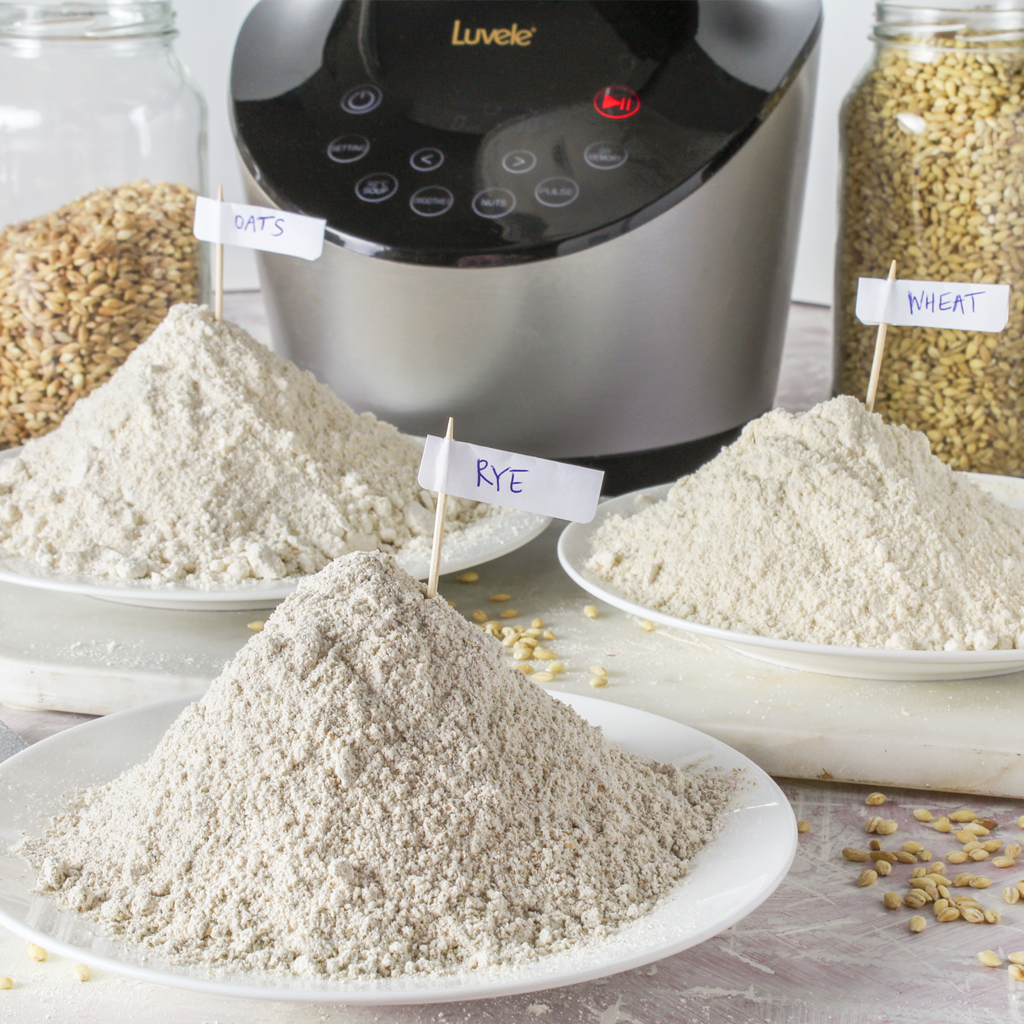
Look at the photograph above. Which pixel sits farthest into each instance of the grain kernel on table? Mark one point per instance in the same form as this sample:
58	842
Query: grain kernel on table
875	846
871	824
647	625
911	847
1011	894
973	914
468	577
556	667
5	982
915	899
956	856
892	900
479	615
923	814
509	613
590	611
1015	972
917	924
886	828
990	959
942	825
1003	862
964	815
256	626
992	916
947	914
980	882
598	670
852	853
1013	850
500	597
537	624
883	867
925	855
598	681
543	677
1016	958
867	877
36	952
874	799
82	973
803	826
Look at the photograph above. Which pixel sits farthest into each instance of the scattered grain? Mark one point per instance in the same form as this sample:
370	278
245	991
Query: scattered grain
468	577
874	799
892	900
922	814
82	973
256	625
851	852
36	952
590	611
803	826
917	924
990	959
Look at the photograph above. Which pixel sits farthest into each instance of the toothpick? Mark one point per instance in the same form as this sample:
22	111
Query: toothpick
218	270
876	363
442	504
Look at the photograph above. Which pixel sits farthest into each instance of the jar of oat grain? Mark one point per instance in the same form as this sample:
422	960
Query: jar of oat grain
933	177
102	152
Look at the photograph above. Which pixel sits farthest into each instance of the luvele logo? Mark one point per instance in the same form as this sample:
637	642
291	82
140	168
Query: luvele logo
514	36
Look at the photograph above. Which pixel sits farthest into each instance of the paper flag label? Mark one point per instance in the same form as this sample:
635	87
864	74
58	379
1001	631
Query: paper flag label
515	481
257	227
942	304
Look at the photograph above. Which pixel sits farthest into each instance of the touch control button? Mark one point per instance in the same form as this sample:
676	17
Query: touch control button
428	159
519	161
431	201
375	188
347	149
493	203
361	99
605	156
556	191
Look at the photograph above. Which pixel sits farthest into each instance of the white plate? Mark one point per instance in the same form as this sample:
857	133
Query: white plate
738	870
853	662
477	543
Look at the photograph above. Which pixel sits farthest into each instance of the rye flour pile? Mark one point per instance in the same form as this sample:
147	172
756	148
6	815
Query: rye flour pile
368	791
830	527
208	458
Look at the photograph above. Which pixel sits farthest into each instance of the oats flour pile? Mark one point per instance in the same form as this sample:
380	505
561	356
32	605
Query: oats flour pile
368	790
208	458
829	527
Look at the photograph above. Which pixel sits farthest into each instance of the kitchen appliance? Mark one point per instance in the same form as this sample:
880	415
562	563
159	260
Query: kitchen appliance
570	224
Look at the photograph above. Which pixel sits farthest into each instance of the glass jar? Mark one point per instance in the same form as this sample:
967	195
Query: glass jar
933	177
102	152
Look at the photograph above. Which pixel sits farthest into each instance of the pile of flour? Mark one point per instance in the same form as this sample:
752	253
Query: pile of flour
830	527
208	458
368	790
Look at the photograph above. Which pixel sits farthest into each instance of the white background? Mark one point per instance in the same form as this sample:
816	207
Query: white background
209	27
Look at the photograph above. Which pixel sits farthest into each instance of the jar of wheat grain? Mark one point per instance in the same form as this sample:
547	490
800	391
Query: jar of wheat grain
933	177
102	152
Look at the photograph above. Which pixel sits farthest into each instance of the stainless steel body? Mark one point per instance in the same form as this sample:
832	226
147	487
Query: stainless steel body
668	333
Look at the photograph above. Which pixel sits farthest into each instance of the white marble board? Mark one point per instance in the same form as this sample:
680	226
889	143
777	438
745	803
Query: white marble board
80	654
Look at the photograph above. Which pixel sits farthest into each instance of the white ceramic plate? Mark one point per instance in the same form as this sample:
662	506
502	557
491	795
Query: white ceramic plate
479	542
852	662
730	878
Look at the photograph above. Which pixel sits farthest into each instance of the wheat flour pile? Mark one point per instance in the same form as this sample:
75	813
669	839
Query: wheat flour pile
830	527
368	790
208	458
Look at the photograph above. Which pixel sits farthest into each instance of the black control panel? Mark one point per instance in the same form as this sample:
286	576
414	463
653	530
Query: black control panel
470	132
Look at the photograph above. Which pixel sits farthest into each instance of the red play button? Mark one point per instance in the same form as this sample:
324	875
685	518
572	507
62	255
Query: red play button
616	101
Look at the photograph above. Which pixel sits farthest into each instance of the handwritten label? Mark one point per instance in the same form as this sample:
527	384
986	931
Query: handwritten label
515	481
942	304
256	227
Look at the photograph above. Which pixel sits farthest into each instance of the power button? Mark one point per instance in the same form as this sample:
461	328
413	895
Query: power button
361	99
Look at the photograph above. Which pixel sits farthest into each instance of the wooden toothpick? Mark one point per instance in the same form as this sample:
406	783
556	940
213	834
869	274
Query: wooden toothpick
218	270
442	504
876	363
